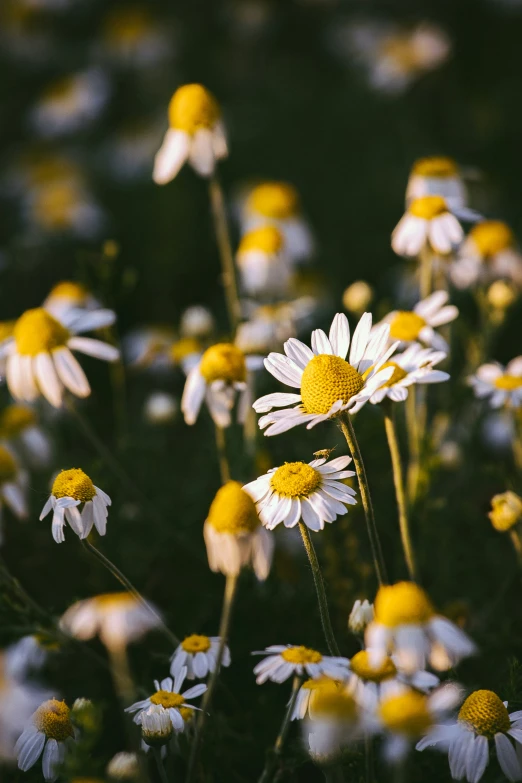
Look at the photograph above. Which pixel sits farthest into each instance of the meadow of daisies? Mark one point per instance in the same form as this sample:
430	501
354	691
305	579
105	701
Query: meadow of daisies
261	415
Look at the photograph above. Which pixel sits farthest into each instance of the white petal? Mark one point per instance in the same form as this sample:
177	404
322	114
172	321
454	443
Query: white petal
47	379
95	348
70	373
170	157
275	400
507	758
360	339
340	335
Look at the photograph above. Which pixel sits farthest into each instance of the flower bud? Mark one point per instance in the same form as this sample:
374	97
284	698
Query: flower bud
123	766
357	297
156	727
360	616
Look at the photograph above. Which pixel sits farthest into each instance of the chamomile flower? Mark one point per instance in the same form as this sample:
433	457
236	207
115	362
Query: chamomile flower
29	654
502	386
506	510
269	325
335	724
427	222
489	253
69	297
437	176
160	408
196	134
49	734
407	626
18	701
419	324
63	206
19	427
309	692
156	726
234	535
263	267
71	489
149	347
168	695
314	492
124	766
71	103
328	383
360	616
40	359
414	366
483	720
285	660
198	653
369	684
13	485
357	297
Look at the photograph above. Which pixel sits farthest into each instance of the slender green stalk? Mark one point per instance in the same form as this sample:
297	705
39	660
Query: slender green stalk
221	445
219	215
414	445
320	590
347	429
517	544
398	480
277	751
159	763
426	272
121	673
517	441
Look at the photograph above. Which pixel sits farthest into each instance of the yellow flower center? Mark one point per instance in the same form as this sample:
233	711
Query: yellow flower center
428	207
406	326
7	466
73	483
327	379
191	108
53	719
233	510
436	166
54	204
184	347
187	713
508	382
267	239
491	236
333	703
75	292
37	332
167	699
196	643
15	419
398	373
319	683
360	665
6	329
485	713
404	603
223	362
399	49
406	714
506	510
109	601
277	200
301	655
295	480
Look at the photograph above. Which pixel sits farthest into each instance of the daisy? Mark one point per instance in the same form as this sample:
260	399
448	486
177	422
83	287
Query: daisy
234	535
414	366
50	734
18	701
419	324
287	660
149	347
124	766
489	253
196	134
40	359
327	382
156	726
315	492
29	654
335	723
482	719
407	626
198	654
308	694
63	206
370	684
69	297
501	385
13	485
506	510
437	176
71	103
262	264
19	427
427	222
168	695
360	616
70	489
269	325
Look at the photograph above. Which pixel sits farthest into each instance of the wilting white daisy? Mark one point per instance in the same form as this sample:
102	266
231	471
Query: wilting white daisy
335	722
502	385
263	266
196	134
198	653
234	535
49	734
168	695
419	324
69	297
150	346
370	684
437	176
407	626
427	222
156	726
40	359
328	383
482	719
413	366
71	103
310	691
314	492
18	701
285	660
70	489
13	485
19	427
360	616
489	253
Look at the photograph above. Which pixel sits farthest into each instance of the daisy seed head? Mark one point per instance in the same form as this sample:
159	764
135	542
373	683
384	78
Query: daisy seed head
196	643
233	510
193	107
36	331
506	510
73	483
406	714
484	712
52	718
406	326
7	466
267	239
15	419
277	200
327	379
360	665
302	655
428	207
435	166
223	362
491	237
404	603
295	480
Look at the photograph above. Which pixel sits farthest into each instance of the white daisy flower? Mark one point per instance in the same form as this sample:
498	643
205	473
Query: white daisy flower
501	385
217	377
13	485
49	735
482	719
427	222
124	766
70	489
71	103
269	325
328	383
419	324
334	725
19	427
311	691
315	492
168	695
286	660
414	366
263	267
234	535
69	297
407	626
40	359
489	253
437	176
156	725
196	134
18	701
360	616
198	653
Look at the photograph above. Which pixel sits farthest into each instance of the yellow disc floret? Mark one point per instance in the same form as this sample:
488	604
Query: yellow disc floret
295	480
277	200
406	325
233	510
36	332
192	108
404	603
327	379
223	362
73	483
508	382
15	419
428	207
491	237
333	703
52	718
301	655
360	665
436	166
67	289
406	714
484	712
167	699
196	643
506	510
398	374
8	468
267	239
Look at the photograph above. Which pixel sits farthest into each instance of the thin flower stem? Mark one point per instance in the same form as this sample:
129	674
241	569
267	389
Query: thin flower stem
224	628
346	425
517	441
319	588
517	544
159	763
219	215
221	445
277	751
398	480
412	425
121	673
426	271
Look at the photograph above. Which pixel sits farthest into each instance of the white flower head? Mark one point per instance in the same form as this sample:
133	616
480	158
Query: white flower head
427	222
156	725
18	701
501	386
49	734
334	721
270	325
168	696
150	347
285	660
414	366
263	267
69	297
489	253
124	766
419	324
71	489
437	176
29	654
360	616
19	427
199	654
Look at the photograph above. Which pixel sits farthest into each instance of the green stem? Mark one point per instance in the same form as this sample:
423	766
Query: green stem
219	215
517	544
320	590
426	272
221	445
159	763
277	751
412	424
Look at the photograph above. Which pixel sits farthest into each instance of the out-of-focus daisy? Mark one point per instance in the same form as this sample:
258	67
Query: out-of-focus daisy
156	726
437	176
49	734
427	222
13	485
168	695
160	408
369	684
263	267
196	134
18	701
501	385
270	325
198	653
419	324
407	626
315	492
285	660
19	427
149	347
413	366
197	321
506	510
124	766
132	36
69	297
482	719
328	383
360	616
309	692
500	295
336	723
63	206
234	535
357	297
71	489
40	359
29	654
489	253
71	104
